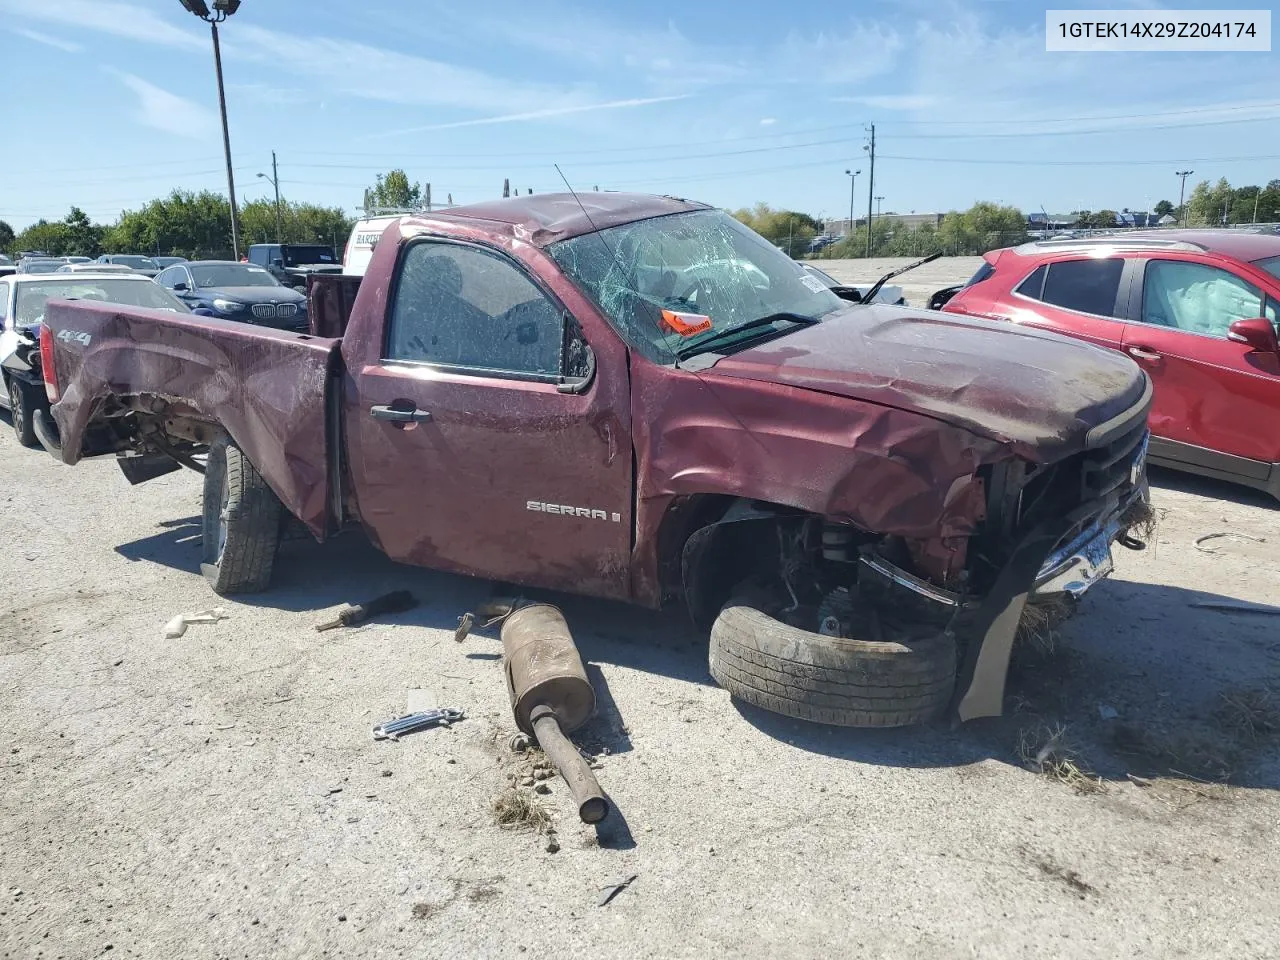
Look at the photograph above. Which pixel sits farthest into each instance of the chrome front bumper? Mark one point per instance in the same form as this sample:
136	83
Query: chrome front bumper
1074	567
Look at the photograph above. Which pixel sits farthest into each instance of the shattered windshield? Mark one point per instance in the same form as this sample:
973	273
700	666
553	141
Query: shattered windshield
703	263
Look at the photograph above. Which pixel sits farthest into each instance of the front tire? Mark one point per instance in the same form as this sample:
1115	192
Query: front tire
20	406
835	680
241	523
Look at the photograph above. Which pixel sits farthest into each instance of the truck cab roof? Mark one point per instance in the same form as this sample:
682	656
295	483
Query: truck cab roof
543	219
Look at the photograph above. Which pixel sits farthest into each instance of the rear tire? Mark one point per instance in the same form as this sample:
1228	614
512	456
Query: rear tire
241	523
846	682
21	403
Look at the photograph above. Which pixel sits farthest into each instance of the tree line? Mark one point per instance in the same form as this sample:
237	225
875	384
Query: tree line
983	227
184	224
198	225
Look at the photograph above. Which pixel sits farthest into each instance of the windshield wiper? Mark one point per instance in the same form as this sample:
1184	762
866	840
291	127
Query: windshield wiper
875	287
766	321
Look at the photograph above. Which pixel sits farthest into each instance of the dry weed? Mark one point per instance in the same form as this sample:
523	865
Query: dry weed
517	809
1251	714
1047	751
1039	625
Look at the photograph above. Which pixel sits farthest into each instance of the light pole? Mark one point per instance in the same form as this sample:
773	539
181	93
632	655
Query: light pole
275	182
1182	193
853	179
879	197
221	10
1256	195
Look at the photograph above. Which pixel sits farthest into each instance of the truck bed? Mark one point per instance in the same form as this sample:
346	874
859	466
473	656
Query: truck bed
272	391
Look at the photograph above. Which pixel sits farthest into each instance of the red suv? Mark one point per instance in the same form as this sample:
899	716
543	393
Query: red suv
1197	309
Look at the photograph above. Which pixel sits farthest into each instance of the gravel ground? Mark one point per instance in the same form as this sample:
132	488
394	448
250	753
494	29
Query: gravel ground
917	285
219	795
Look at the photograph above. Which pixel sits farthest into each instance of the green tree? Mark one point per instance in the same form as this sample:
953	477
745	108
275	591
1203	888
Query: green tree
393	190
6	236
299	223
1163	208
43	235
193	225
781	227
82	237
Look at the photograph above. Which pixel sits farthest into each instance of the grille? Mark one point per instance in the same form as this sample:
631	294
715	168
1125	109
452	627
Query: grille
273	311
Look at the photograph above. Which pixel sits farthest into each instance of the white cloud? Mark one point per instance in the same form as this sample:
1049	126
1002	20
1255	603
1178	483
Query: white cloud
48	41
768	121
166	111
103	16
538	114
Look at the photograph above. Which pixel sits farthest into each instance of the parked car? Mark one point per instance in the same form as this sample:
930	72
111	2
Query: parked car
139	264
506	402
236	291
5	261
163	262
22	307
1198	310
886	294
96	268
77	260
39	265
7	269
293	263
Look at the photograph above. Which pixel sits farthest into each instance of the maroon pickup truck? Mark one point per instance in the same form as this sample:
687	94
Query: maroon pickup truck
638	398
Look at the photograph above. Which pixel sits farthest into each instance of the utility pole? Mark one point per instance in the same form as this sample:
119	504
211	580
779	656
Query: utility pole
1256	195
871	185
226	144
275	182
1182	193
428	198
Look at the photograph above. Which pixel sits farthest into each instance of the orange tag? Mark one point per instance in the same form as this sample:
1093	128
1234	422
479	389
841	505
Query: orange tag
685	324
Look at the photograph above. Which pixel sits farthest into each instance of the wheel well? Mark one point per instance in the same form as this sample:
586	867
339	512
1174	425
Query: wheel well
712	543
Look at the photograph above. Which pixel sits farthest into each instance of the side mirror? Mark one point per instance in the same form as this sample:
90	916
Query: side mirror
180	287
1256	332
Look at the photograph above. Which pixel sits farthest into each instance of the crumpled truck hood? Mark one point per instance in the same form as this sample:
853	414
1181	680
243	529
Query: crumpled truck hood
1037	391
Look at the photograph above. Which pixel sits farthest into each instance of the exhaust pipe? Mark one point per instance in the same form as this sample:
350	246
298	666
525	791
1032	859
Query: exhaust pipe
551	696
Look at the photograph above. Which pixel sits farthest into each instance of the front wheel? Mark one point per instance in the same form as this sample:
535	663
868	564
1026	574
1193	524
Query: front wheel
892	682
241	523
21	404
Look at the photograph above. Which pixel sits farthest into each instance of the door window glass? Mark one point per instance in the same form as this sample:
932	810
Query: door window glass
1088	286
171	276
1196	297
462	306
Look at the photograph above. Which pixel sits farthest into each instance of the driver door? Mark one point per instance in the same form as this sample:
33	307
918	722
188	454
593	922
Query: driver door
468	452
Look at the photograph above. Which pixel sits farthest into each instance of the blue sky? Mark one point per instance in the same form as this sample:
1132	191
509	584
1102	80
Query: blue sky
112	102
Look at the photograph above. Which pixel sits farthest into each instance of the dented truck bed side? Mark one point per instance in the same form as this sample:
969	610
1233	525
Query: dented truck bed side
270	390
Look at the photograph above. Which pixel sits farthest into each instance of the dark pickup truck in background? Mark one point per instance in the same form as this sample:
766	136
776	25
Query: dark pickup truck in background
293	264
638	398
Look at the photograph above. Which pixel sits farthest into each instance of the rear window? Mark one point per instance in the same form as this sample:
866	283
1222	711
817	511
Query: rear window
982	273
1086	286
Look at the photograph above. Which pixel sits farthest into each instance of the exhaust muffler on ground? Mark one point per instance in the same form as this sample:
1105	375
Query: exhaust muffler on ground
551	696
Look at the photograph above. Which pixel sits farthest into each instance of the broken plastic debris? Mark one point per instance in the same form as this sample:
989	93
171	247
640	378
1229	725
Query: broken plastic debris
178	625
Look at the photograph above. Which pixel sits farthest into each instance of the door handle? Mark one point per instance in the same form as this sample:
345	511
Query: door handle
383	411
1142	353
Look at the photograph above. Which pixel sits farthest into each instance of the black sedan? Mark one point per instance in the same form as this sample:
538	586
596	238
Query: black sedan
236	291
